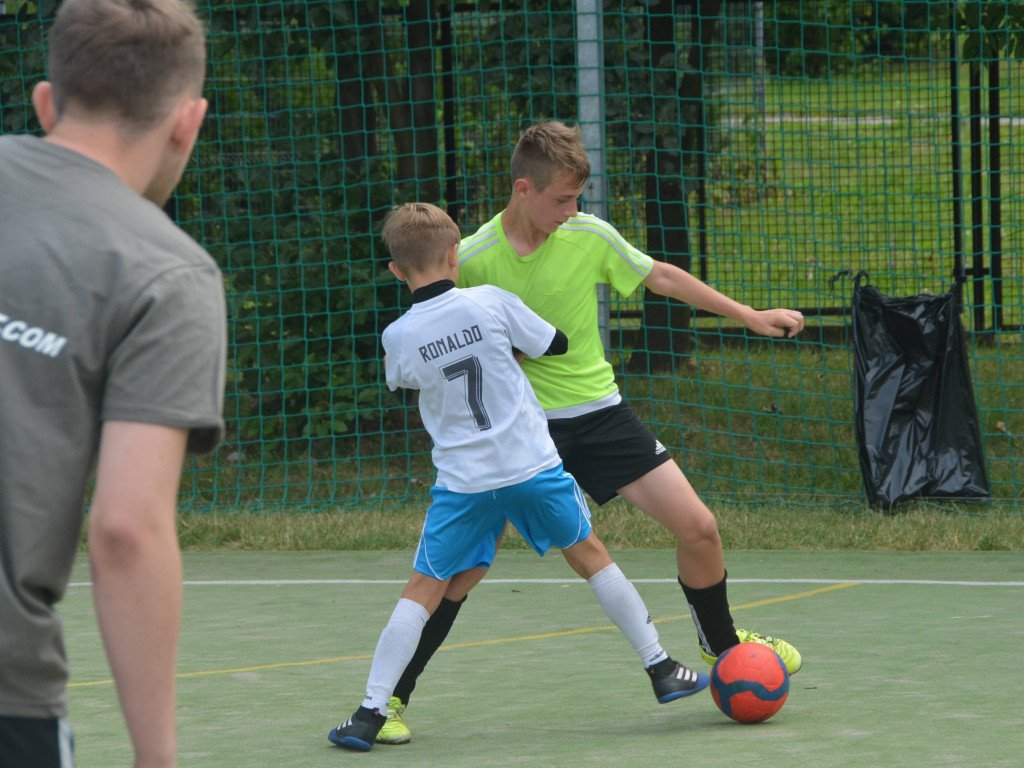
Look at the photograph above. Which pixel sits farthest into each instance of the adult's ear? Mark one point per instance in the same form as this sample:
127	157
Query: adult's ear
42	102
188	121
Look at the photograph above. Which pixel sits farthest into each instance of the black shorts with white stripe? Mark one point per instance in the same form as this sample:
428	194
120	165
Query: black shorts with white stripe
35	742
607	449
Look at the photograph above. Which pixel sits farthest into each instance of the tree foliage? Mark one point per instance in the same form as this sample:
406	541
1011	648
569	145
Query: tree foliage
821	38
989	29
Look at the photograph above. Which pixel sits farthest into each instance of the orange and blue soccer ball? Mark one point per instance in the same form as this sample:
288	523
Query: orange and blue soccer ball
749	682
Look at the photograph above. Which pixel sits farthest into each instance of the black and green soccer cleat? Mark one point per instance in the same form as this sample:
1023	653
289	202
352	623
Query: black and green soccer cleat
395	731
790	656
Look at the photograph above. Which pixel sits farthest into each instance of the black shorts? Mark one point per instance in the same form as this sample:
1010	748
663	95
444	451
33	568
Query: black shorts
35	742
607	449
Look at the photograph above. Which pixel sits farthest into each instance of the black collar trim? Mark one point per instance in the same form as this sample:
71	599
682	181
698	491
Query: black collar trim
425	292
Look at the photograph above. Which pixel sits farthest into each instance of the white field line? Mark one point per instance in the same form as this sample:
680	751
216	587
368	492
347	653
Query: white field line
865	119
332	582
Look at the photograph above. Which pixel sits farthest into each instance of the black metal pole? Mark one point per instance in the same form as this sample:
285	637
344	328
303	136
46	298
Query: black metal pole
957	164
702	203
995	198
702	169
977	204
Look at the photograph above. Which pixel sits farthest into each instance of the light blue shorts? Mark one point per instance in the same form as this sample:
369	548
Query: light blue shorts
461	530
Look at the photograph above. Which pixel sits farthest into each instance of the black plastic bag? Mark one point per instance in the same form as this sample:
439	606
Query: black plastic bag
916	418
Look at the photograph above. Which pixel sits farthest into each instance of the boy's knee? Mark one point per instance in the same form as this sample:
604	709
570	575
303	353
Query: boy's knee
699	531
587	557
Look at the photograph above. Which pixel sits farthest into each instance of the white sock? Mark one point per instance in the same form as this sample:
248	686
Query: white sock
624	606
395	648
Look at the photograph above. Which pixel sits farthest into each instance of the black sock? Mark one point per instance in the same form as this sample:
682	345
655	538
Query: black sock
434	632
709	607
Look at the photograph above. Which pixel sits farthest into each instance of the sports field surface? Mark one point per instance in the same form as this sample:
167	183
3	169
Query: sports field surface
910	659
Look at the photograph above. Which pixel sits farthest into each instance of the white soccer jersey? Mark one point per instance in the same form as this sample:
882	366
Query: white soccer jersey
489	431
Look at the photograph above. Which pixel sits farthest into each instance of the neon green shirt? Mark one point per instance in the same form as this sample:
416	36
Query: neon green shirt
558	281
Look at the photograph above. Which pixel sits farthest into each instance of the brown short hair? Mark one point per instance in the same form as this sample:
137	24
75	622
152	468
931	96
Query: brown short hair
548	149
418	235
129	59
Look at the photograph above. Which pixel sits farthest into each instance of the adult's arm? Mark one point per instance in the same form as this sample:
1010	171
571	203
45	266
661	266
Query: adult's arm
136	571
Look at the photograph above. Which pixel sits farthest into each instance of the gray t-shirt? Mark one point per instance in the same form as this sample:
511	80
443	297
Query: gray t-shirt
108	311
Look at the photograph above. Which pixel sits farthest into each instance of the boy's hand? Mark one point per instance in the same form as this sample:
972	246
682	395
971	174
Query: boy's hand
781	323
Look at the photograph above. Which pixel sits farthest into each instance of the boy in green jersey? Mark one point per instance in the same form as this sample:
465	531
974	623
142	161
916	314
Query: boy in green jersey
541	248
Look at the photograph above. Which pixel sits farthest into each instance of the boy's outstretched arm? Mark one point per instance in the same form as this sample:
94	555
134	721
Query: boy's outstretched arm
668	280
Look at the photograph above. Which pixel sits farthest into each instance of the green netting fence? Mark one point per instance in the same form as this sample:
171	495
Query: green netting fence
763	146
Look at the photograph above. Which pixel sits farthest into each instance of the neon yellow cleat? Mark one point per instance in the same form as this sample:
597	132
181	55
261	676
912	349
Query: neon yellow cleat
395	731
790	656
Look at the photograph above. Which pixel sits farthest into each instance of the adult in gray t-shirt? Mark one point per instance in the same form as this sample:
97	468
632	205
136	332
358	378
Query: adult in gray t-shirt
108	312
112	346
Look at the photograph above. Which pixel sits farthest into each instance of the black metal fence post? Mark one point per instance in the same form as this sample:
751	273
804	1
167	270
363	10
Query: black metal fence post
995	198
959	269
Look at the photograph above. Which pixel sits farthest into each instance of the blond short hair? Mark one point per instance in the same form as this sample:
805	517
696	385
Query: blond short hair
549	149
126	59
418	235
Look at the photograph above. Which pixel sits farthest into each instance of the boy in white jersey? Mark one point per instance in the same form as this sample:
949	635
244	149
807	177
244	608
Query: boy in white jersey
493	456
541	248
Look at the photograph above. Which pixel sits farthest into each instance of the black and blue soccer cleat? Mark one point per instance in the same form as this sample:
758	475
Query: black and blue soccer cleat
359	731
671	680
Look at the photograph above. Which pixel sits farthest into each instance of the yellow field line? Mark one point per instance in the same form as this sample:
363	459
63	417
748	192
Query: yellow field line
477	643
586	630
797	596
